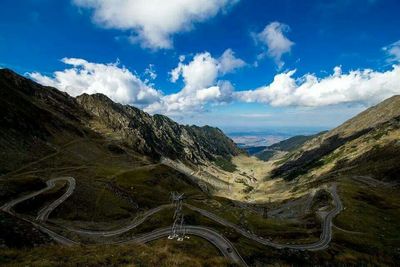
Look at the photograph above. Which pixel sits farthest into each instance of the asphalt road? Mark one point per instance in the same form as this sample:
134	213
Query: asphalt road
135	222
322	243
219	241
44	213
326	235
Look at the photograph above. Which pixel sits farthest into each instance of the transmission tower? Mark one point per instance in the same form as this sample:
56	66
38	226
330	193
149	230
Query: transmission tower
178	229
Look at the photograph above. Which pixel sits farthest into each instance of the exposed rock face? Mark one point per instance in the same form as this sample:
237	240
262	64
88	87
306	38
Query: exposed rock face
156	135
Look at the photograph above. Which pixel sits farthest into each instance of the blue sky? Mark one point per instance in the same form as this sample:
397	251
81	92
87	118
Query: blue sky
234	61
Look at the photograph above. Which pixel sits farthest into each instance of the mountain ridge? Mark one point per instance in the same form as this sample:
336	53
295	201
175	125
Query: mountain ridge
158	134
35	114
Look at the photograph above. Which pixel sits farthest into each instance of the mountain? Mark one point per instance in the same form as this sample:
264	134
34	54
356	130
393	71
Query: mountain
156	135
35	118
287	145
253	150
367	143
292	143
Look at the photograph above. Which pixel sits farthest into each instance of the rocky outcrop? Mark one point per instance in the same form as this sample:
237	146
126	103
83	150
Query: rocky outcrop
156	135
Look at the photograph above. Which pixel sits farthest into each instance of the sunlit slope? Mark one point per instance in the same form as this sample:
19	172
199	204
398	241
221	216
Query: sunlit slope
368	143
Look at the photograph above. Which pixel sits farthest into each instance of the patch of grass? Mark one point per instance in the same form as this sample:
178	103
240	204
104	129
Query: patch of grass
374	213
380	162
151	187
12	188
266	154
94	202
285	158
16	233
225	164
157	254
33	205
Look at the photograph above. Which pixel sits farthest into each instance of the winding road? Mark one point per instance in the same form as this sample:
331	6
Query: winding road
135	222
322	243
224	245
45	212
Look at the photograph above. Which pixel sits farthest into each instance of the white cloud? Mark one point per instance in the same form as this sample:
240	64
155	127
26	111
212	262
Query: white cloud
192	101
393	52
360	86
153	21
207	94
273	36
199	73
203	70
116	82
202	86
200	77
228	62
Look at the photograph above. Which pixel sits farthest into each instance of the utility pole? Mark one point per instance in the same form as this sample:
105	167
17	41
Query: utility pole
178	229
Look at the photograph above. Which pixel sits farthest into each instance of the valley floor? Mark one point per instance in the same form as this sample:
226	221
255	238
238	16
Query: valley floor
115	190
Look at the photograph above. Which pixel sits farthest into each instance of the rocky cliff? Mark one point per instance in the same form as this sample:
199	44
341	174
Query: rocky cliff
156	135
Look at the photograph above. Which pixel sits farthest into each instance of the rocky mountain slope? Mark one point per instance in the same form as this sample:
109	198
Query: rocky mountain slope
156	135
36	119
373	134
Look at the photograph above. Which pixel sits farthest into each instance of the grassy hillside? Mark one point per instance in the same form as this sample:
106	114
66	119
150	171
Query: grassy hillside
288	145
293	143
158	253
362	135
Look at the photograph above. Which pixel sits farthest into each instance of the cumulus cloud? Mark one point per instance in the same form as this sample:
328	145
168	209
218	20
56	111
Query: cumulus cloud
193	101
360	86
202	86
200	76
116	82
228	62
273	36
393	52
153	21
204	69
199	73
